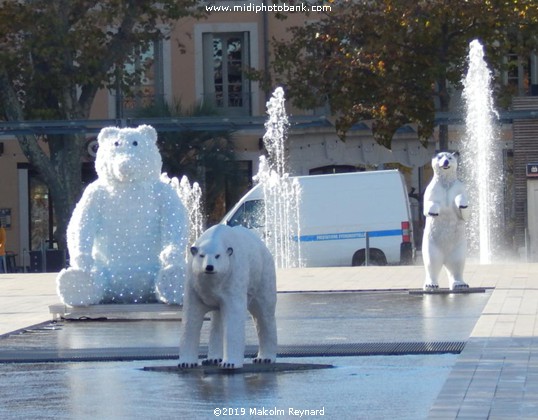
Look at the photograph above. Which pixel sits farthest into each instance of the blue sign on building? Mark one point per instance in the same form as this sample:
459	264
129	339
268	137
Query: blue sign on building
532	170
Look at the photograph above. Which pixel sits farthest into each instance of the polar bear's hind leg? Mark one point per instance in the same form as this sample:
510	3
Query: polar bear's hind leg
264	319
433	262
454	265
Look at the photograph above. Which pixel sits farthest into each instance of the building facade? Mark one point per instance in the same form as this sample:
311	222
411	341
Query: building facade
203	61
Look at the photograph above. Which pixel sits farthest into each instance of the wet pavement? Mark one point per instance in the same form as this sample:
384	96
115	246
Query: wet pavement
302	319
373	387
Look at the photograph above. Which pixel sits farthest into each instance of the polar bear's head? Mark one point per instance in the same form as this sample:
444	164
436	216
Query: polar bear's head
128	155
211	258
445	165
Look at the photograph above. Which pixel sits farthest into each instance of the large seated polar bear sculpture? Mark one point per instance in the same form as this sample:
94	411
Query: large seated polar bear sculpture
230	271
127	236
446	209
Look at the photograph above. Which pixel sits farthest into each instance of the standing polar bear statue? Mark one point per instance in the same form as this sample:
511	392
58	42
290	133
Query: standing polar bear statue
127	236
446	209
230	271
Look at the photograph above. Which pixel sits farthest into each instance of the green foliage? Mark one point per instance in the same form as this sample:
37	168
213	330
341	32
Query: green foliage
389	60
55	55
58	53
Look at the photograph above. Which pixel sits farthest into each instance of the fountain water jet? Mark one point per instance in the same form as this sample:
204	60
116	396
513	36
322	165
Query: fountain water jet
191	197
481	155
281	193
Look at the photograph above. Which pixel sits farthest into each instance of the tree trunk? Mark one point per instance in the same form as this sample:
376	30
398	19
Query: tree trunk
62	174
60	169
443	137
65	188
444	102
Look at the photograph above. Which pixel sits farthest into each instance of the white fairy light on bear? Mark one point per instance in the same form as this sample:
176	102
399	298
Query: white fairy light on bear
127	235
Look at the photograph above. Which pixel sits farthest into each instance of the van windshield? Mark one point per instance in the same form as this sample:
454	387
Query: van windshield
249	215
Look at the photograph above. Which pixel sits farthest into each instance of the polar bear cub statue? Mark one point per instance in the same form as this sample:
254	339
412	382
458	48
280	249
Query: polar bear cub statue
127	237
446	209
230	271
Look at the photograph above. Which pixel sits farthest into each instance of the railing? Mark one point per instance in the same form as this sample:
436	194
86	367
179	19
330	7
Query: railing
231	103
130	106
206	123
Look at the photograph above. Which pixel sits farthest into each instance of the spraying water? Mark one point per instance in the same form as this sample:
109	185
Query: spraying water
281	193
481	157
191	196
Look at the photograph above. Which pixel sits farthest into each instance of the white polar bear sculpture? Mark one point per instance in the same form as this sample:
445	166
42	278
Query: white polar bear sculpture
127	236
231	271
446	209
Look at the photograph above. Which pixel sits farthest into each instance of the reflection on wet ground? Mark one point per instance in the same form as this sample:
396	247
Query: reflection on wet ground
302	318
371	387
359	387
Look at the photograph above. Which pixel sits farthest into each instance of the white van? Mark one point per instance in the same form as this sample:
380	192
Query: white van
339	214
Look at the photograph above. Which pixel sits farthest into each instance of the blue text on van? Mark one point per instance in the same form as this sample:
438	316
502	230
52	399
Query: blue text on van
348	235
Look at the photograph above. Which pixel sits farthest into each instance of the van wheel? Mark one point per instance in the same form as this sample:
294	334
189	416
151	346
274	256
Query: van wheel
377	257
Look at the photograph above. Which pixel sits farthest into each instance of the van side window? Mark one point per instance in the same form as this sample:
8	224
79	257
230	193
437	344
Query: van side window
249	215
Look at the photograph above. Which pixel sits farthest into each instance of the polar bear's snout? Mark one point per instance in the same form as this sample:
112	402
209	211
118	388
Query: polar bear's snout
125	169
210	262
445	161
207	264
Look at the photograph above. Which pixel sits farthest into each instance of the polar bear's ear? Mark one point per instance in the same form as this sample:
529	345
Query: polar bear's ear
230	251
194	250
456	154
148	131
107	133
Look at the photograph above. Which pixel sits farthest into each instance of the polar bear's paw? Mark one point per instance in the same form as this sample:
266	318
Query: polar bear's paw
433	209
229	364
187	365
428	287
458	284
211	362
461	201
78	288
262	361
169	285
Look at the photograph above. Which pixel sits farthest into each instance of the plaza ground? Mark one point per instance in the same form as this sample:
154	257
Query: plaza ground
494	376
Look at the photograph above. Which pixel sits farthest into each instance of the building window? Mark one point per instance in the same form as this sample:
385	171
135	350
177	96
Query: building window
225	85
517	76
521	74
145	69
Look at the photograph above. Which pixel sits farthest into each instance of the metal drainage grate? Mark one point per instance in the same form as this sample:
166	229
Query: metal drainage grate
169	353
371	349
